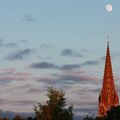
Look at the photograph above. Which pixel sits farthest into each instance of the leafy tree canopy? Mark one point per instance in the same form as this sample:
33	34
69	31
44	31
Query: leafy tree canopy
55	108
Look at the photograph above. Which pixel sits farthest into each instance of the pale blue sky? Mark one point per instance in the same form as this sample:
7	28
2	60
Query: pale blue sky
56	43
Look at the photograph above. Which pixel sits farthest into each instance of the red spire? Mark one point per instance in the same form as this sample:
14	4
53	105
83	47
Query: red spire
108	96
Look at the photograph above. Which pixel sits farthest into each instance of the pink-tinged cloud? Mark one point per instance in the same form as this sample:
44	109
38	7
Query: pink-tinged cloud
6	71
9	74
23	75
67	75
45	78
77	76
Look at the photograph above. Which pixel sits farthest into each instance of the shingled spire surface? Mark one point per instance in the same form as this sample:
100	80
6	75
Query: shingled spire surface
108	96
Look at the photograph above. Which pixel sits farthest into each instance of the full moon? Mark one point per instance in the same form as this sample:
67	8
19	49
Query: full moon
108	8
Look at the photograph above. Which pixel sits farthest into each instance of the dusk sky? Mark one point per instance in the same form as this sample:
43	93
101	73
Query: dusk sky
60	43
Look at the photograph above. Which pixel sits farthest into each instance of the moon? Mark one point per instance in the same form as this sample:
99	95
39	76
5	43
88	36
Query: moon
109	8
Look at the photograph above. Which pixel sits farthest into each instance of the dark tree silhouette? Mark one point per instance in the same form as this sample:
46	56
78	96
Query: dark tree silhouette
17	117
100	118
114	113
89	117
55	108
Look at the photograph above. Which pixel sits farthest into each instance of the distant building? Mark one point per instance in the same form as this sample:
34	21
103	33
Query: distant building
108	96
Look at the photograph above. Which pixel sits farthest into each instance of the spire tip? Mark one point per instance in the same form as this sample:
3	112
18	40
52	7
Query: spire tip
108	41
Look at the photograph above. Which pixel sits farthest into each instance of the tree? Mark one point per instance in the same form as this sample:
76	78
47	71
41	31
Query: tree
101	118
55	108
114	113
42	112
18	118
88	117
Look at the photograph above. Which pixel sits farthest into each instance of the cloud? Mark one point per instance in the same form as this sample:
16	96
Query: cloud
3	101
94	62
10	74
22	75
102	59
28	18
44	65
11	78
17	102
19	55
71	53
23	41
82	92
25	102
1	42
66	77
44	58
9	44
45	45
45	78
34	90
70	66
78	89
24	86
47	65
6	71
75	76
48	80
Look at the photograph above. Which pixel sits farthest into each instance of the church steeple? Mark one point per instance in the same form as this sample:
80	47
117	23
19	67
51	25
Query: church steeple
108	96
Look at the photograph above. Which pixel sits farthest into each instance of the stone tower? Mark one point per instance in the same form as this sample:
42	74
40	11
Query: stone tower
108	96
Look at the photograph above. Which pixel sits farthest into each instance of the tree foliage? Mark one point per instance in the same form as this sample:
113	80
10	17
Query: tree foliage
114	113
55	108
89	117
